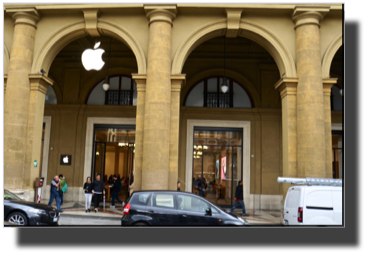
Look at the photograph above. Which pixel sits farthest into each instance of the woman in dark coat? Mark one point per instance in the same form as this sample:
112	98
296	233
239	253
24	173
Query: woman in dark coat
98	191
88	193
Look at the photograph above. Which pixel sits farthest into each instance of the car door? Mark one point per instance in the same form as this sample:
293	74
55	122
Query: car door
162	209
193	211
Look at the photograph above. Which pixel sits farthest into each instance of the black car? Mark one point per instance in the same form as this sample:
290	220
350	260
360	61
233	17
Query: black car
22	212
164	208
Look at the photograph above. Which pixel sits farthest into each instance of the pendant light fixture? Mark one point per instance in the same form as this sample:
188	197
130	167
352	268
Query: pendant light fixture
224	86
106	84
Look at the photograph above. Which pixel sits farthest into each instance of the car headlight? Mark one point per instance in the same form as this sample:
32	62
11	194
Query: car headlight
37	211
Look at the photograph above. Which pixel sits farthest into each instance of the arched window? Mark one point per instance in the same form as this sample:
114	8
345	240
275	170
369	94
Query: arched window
207	93
50	98
123	91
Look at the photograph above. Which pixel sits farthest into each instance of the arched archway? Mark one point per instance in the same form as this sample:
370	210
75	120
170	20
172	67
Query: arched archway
329	55
63	36
250	30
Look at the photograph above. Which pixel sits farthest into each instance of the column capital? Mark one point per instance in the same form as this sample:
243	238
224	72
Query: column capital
309	15
140	80
328	84
166	13
39	83
177	82
286	86
28	16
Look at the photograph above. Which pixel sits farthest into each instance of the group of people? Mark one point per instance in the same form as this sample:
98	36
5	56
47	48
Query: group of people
96	189
56	191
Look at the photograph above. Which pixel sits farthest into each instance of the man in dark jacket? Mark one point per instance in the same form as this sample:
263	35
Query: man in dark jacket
239	198
98	190
115	191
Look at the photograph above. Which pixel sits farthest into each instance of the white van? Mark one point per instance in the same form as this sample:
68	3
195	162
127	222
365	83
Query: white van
313	204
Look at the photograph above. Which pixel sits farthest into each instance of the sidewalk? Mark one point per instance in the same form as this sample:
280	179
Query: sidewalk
74	214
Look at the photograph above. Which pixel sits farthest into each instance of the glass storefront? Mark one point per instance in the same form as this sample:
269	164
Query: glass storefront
337	141
217	163
113	152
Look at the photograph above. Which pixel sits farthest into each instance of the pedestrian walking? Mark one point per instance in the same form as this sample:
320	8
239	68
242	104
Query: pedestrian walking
54	192
239	198
88	188
115	191
98	190
61	192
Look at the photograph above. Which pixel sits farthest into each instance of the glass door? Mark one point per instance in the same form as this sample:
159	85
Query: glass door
99	159
217	164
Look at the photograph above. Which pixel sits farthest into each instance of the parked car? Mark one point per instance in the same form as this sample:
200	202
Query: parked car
164	208
313	204
21	212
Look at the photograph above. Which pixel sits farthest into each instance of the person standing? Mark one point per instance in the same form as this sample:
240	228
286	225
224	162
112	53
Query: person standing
62	183
115	191
178	186
54	193
88	188
239	198
98	189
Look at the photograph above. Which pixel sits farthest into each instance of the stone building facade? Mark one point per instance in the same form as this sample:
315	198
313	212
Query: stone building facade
283	110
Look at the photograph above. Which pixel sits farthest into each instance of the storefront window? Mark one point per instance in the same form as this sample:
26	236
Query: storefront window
217	158
337	142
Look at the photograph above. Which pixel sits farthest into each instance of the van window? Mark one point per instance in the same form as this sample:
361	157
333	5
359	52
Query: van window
293	198
337	199
319	198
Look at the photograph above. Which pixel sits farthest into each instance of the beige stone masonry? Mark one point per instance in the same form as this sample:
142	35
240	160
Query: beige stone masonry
177	82
327	86
157	115
38	89
311	152
141	87
233	22
17	100
287	88
91	21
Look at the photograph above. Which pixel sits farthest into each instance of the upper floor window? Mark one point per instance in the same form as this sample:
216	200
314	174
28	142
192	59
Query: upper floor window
122	91
207	93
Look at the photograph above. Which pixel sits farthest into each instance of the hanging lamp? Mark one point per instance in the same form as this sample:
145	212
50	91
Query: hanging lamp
106	84
224	86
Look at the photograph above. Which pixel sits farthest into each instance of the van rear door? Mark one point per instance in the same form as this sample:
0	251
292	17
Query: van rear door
291	206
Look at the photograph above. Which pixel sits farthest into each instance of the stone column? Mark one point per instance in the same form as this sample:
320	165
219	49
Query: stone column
311	154
157	121
327	85
16	105
287	88
38	89
141	87
176	84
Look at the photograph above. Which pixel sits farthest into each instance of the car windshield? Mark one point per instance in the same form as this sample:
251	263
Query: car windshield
10	196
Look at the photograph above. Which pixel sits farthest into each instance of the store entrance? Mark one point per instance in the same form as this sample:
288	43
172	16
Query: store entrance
217	163
113	153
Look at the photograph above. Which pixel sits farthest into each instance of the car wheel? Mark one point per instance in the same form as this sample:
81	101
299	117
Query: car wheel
140	224
17	218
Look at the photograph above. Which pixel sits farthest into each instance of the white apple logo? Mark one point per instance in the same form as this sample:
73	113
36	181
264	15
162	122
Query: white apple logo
92	59
65	159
